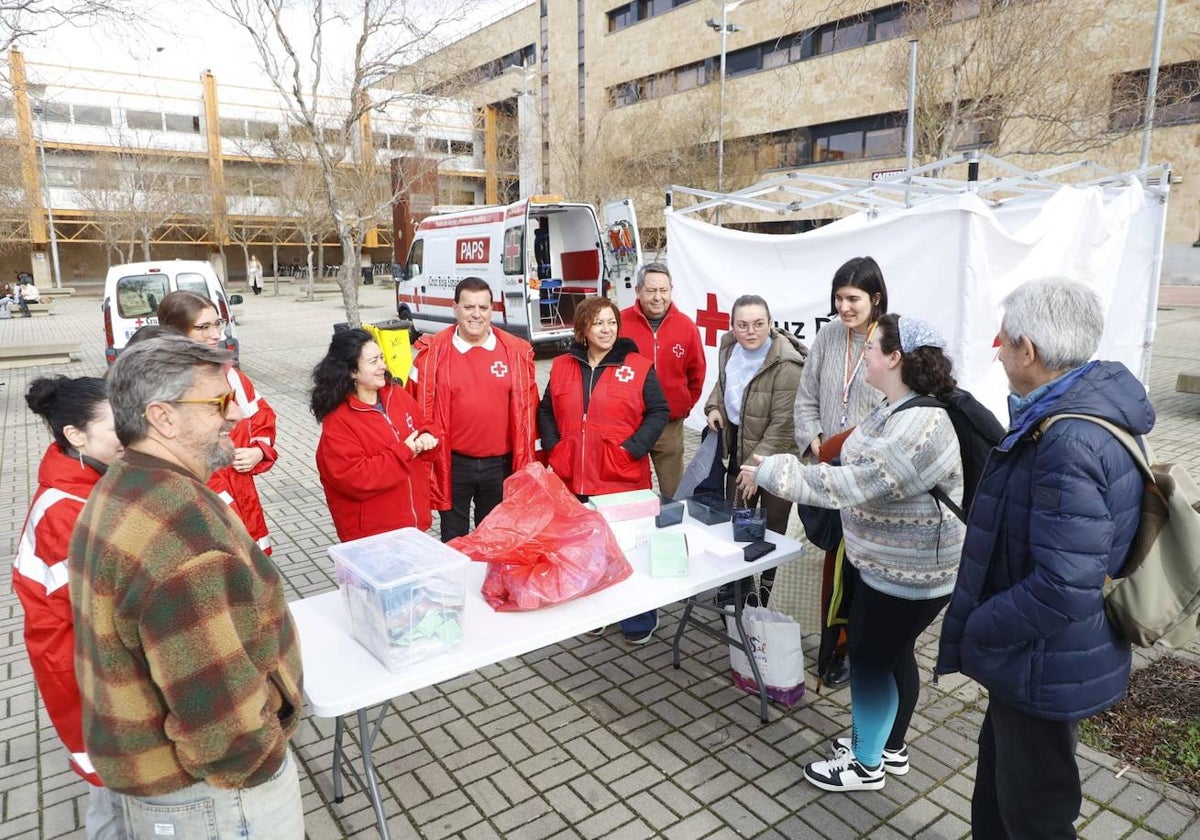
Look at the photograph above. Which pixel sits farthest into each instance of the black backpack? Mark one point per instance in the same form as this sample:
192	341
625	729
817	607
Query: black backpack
978	432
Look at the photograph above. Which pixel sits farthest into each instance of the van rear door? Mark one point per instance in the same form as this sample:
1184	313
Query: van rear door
623	250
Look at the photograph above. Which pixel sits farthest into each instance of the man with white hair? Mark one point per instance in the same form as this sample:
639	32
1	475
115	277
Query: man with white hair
187	657
1055	514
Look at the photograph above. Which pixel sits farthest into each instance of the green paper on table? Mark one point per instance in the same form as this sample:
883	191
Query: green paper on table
668	554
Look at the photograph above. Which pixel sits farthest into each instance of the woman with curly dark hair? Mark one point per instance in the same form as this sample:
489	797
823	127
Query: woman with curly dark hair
372	437
904	543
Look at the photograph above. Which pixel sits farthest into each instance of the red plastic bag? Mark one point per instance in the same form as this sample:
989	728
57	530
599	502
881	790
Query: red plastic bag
542	546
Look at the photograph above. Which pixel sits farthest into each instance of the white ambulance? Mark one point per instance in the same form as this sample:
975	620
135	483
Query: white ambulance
541	256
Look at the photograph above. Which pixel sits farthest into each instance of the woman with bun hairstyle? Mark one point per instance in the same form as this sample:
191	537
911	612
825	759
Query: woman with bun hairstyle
85	443
253	437
372	438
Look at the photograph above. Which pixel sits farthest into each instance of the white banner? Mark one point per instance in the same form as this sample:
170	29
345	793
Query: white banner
950	261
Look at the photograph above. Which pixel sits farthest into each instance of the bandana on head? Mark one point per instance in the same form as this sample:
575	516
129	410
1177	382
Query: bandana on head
916	333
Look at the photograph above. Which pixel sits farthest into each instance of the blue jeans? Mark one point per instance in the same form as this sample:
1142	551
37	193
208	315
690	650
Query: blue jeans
271	811
105	818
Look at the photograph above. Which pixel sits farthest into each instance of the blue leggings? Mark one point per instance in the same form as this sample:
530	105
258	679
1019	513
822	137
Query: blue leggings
884	681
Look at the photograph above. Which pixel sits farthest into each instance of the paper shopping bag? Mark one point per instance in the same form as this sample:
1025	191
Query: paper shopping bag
775	642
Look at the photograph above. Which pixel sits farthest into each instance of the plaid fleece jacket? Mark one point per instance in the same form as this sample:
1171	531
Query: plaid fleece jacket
186	655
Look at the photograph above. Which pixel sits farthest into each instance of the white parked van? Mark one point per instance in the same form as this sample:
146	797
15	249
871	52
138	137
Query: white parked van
541	256
132	292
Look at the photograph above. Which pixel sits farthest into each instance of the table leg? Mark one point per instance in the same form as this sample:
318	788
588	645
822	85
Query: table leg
338	758
742	640
366	736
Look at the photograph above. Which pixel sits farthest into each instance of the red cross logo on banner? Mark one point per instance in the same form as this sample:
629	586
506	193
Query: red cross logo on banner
624	374
499	369
710	319
678	351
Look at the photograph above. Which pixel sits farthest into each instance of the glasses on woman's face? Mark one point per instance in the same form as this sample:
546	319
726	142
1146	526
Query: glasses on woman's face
222	402
218	325
750	326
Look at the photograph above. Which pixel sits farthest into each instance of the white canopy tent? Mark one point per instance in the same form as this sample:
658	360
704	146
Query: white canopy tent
950	251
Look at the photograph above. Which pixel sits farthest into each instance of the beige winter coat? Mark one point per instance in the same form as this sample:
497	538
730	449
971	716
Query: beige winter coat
767	427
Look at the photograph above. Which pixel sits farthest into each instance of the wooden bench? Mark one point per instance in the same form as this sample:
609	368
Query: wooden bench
65	291
39	353
1188	383
36	310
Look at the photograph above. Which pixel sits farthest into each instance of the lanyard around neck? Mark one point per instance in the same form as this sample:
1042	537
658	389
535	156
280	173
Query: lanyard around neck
848	371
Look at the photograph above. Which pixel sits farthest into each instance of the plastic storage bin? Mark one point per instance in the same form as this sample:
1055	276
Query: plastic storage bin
709	508
404	592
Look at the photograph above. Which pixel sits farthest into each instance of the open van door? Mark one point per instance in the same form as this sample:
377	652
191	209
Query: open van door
622	251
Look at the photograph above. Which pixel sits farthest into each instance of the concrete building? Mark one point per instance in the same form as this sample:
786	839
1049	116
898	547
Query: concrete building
630	97
102	167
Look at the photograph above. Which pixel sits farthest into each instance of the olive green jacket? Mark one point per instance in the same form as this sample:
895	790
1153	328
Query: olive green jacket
767	427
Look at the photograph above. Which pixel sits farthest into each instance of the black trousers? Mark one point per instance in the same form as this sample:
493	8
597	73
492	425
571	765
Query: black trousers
1027	780
478	480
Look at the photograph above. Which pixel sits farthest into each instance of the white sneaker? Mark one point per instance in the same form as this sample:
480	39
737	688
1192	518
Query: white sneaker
844	773
894	761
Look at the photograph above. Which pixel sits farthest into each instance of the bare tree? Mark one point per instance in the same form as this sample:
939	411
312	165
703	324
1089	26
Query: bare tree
14	211
289	40
22	19
1016	76
132	193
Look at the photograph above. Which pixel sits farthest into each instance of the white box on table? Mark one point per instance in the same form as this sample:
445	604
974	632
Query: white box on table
404	592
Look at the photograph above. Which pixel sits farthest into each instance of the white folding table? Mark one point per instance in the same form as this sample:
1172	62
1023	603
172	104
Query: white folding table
342	678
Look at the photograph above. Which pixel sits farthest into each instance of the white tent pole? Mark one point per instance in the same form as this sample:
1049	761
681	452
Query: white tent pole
910	127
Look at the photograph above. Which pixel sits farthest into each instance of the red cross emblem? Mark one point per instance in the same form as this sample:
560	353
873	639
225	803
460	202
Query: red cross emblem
138	322
677	350
624	374
408	420
499	369
710	319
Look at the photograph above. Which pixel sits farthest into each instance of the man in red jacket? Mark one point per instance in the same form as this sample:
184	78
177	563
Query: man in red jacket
669	338
461	376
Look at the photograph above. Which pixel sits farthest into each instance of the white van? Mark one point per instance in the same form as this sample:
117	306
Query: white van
132	292
541	256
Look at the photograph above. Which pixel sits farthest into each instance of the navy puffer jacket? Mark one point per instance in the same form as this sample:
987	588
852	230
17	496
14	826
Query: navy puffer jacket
1050	519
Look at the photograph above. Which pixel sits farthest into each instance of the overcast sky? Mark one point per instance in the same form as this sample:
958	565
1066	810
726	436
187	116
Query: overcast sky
181	39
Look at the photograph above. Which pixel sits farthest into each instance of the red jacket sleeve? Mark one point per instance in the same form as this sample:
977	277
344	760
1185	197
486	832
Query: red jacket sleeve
262	424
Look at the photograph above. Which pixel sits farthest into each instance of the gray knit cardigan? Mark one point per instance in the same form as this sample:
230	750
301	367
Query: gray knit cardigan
903	542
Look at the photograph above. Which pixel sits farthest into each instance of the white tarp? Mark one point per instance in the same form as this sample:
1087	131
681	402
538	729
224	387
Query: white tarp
950	261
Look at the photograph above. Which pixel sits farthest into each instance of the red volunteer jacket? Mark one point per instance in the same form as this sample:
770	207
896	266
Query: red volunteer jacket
257	428
677	353
431	387
373	483
40	581
587	452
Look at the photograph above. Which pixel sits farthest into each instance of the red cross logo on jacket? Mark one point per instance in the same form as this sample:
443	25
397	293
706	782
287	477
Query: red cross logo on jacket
624	374
678	351
499	369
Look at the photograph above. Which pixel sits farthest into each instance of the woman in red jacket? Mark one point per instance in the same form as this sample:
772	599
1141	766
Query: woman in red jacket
85	443
371	437
253	437
601	415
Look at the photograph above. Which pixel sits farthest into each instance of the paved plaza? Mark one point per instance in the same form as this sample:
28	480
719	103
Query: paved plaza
586	739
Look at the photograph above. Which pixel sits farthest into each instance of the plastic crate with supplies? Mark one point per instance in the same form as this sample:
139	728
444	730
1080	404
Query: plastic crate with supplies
404	592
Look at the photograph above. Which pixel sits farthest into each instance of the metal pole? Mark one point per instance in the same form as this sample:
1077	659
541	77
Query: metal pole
49	204
910	131
721	103
1152	84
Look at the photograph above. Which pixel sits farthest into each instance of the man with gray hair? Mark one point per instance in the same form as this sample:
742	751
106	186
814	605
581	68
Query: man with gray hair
1054	515
671	340
187	658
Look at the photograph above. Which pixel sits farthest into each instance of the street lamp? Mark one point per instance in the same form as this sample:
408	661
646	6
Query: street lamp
38	110
724	27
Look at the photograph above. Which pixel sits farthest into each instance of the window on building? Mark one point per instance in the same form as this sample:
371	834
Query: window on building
889	23
743	61
149	120
6	107
230	127
401	142
62	176
184	123
876	136
53	111
262	130
462	147
1177	101
92	115
843	35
